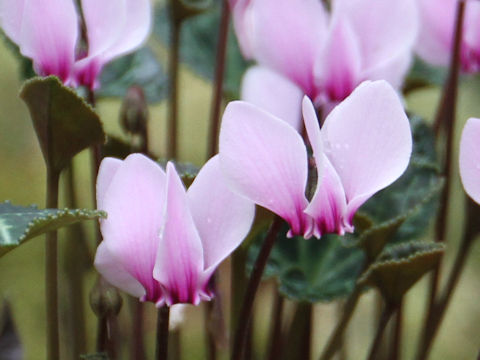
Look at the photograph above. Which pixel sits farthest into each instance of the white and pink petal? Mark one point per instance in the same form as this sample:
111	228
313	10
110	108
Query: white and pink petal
470	158
265	160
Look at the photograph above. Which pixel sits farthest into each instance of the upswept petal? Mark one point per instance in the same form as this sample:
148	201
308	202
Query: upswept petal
222	218
106	172
328	205
114	272
385	28
274	93
289	44
134	202
470	55
49	35
368	140
134	31
124	29
338	69
105	21
11	13
179	263
392	70
242	23
470	158
437	25
265	160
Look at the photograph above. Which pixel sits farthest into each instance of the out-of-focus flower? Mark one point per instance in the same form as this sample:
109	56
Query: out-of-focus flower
435	42
328	55
470	159
161	243
364	146
47	31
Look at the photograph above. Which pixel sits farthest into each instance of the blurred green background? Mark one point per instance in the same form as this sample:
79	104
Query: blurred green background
22	180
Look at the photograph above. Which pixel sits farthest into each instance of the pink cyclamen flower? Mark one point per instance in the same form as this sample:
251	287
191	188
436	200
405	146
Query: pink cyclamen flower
470	159
328	54
160	242
435	42
363	146
47	31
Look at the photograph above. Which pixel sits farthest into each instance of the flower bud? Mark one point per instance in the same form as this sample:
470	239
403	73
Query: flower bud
104	299
134	111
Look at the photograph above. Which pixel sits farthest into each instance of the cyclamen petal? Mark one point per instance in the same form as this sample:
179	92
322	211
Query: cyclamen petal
48	35
153	247
265	160
134	202
364	146
180	253
368	140
47	31
328	54
470	159
224	223
274	93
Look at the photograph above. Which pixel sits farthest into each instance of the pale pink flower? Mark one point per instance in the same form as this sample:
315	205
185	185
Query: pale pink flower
363	146
328	54
160	242
470	159
435	42
47	31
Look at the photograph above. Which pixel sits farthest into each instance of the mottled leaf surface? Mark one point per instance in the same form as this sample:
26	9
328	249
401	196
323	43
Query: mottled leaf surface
65	124
401	266
140	68
19	224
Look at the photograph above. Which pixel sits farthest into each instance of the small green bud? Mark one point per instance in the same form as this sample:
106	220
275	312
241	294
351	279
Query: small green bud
104	299
134	111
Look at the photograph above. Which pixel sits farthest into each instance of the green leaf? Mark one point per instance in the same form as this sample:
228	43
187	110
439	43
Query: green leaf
311	270
198	46
401	266
423	74
19	224
65	124
187	171
116	147
418	186
140	68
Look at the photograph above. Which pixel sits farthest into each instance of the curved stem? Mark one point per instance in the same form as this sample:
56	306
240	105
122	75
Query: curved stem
253	283
446	118
219	75
174	59
51	272
395	353
441	305
386	314
336	338
161	352
276	339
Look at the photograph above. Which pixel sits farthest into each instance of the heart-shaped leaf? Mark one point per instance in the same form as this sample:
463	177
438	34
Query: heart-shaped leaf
423	74
400	267
140	68
311	270
19	224
65	124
